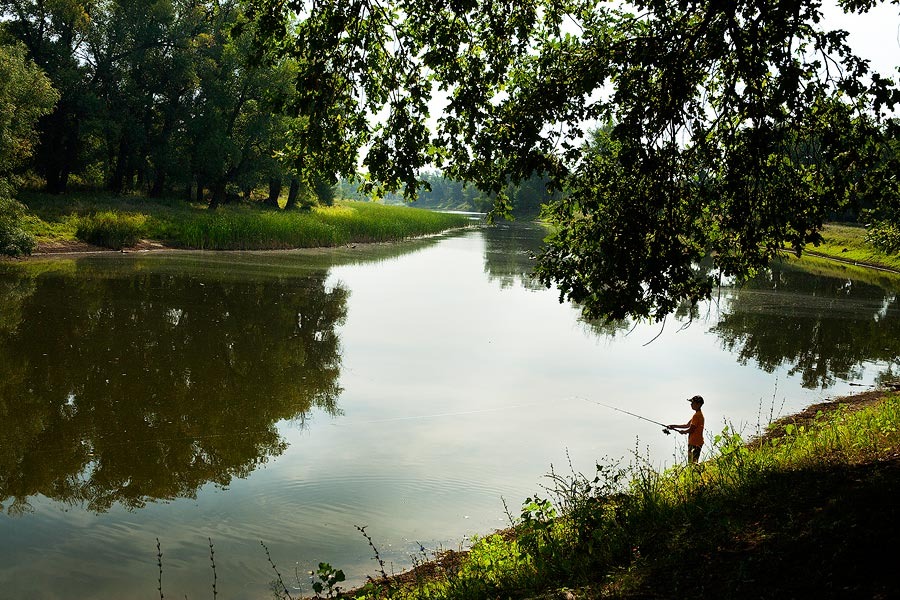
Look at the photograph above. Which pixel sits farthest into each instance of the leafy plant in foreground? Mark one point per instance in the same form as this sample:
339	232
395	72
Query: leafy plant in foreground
328	578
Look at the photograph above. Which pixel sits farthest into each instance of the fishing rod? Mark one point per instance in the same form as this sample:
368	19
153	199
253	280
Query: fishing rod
665	427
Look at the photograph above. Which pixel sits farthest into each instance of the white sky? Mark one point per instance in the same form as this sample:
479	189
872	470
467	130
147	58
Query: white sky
874	35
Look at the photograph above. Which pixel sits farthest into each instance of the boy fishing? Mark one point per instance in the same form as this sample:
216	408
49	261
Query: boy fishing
693	429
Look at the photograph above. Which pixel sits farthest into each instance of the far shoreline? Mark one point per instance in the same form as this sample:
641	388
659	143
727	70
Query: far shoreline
77	248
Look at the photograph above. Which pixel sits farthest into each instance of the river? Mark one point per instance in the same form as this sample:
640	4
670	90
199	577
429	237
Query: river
265	406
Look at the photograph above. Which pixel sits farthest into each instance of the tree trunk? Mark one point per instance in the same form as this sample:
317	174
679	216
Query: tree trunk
116	182
159	184
58	148
274	192
218	195
293	193
162	147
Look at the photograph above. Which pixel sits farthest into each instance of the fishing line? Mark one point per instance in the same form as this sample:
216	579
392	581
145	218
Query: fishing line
665	427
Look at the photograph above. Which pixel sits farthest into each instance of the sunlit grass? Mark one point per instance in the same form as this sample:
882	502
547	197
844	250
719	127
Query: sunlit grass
848	243
355	222
114	222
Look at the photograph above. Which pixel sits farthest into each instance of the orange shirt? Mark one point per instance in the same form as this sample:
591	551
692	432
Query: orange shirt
695	433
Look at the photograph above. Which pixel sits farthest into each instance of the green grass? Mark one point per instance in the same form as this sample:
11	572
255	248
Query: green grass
110	229
848	243
116	222
801	512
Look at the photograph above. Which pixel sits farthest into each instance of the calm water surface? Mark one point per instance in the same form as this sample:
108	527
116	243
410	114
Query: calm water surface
289	398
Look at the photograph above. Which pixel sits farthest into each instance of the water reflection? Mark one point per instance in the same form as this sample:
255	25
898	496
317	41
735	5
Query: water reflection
130	385
509	249
821	319
825	321
130	381
509	254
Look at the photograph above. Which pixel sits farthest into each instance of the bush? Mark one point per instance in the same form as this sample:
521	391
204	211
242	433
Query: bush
885	236
111	230
14	241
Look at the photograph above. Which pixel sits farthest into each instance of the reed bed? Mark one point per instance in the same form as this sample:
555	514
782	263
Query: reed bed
356	222
119	223
110	229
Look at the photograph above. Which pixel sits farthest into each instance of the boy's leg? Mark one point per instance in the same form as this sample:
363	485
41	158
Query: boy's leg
694	454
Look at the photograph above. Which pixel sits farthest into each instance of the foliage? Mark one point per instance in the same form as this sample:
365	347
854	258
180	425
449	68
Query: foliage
328	578
113	222
14	241
734	130
885	235
25	95
157	95
525	199
882	193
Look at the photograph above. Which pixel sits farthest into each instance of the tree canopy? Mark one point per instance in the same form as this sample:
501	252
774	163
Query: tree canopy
733	129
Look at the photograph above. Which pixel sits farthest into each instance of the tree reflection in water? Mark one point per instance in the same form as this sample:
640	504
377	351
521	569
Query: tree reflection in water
822	320
140	386
825	322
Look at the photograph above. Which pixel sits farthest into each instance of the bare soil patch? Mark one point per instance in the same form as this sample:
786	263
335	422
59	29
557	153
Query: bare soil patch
79	247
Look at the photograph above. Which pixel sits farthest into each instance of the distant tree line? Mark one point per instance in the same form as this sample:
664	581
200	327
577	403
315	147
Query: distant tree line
525	198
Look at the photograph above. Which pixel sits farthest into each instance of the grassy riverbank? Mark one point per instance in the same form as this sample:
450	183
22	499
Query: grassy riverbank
106	221
807	510
848	243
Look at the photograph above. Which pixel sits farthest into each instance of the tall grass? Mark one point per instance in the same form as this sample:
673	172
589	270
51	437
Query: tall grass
332	226
113	222
112	229
605	529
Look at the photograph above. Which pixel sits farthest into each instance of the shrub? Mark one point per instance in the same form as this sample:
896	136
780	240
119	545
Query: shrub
885	236
14	241
111	230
